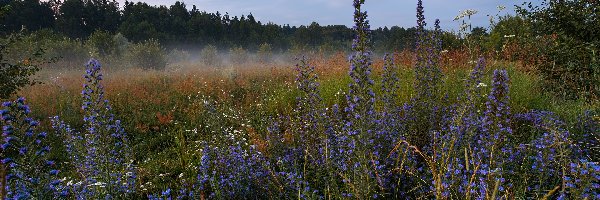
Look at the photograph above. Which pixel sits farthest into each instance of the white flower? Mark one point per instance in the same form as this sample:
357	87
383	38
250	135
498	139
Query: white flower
481	85
464	26
465	13
101	184
509	36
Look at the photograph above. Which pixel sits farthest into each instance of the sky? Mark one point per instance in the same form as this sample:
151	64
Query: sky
339	12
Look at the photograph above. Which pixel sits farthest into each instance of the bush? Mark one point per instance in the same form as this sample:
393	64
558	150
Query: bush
146	55
178	55
265	53
572	69
47	45
70	53
15	74
210	56
238	55
101	44
121	44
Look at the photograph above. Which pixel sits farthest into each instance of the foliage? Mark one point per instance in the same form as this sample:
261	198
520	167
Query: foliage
15	74
58	50
146	55
178	55
33	15
101	44
182	26
79	19
572	67
508	29
265	52
238	56
210	56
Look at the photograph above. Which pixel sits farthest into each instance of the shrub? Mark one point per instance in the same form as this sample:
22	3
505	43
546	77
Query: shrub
210	56
265	53
238	55
101	44
572	68
178	55
146	55
107	46
47	47
15	74
121	43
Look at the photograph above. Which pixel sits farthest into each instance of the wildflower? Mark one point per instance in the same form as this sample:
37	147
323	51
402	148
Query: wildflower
54	172
21	153
103	165
465	13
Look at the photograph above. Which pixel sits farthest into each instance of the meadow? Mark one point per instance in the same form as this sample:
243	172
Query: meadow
419	124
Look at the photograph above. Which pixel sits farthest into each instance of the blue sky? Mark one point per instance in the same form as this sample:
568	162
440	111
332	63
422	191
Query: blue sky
334	12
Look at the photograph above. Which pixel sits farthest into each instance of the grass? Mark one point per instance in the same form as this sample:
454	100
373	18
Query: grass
138	96
168	113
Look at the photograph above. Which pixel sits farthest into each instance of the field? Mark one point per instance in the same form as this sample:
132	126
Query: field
416	124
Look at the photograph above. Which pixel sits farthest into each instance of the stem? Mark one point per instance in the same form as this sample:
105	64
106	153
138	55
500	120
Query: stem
3	184
495	189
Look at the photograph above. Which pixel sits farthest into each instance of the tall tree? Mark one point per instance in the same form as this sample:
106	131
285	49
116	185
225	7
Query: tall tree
25	14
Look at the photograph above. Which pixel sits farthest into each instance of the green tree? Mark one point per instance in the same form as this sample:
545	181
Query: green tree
71	19
31	15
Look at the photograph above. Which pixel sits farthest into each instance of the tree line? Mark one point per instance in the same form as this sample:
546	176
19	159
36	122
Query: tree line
178	26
